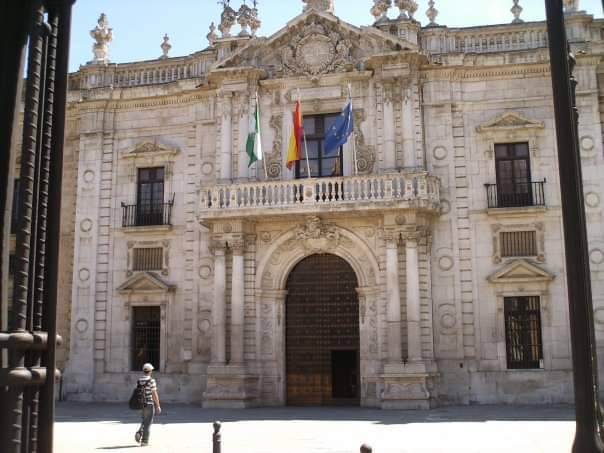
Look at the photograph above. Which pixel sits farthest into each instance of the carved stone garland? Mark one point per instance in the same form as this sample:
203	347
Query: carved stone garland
316	50
273	159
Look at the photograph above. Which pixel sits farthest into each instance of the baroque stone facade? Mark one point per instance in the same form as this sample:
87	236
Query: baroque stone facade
432	248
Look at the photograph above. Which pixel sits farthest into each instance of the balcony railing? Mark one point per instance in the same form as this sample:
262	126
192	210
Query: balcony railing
417	190
154	214
524	194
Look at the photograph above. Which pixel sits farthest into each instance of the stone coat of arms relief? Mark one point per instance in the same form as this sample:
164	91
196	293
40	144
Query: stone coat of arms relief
315	51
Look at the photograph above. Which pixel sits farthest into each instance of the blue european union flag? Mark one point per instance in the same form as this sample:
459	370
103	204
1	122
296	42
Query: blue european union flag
338	134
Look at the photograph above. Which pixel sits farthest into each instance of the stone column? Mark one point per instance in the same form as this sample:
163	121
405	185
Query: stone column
393	296
413	300
218	308
389	127
237	303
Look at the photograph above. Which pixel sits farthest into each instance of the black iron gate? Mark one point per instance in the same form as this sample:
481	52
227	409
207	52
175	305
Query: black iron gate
28	348
322	333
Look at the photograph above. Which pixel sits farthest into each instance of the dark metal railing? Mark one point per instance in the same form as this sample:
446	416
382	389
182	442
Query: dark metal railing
39	29
153	214
522	194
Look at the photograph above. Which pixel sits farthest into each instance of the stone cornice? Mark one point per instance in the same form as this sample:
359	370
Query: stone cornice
139	103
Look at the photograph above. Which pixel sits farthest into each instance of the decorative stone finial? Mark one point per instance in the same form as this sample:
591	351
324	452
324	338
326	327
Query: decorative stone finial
212	36
325	6
103	35
516	11
571	6
227	18
165	47
407	8
380	10
432	12
248	17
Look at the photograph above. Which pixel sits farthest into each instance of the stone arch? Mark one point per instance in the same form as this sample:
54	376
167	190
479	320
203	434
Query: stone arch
295	245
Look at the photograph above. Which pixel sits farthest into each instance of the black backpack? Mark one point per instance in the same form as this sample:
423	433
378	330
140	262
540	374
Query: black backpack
137	400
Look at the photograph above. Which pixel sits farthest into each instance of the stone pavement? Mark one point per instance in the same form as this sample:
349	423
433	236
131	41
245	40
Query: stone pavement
83	428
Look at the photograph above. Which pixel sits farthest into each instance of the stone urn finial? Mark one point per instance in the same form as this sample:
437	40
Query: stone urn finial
380	10
407	8
212	36
516	11
102	35
165	47
571	6
227	19
431	13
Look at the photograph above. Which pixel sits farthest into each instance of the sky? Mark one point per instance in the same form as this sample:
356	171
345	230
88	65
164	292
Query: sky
139	25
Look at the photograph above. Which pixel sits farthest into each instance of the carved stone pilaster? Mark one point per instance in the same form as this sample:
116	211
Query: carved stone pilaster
273	159
365	153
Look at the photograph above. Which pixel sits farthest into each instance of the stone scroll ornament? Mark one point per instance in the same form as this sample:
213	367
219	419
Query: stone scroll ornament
316	50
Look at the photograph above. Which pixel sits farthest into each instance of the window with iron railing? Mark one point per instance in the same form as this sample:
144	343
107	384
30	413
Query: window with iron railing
523	338
146	335
148	259
514	187
518	243
150	208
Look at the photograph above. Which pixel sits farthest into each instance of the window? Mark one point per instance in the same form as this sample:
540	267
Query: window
513	174
148	259
146	326
523	332
321	164
14	220
150	196
518	243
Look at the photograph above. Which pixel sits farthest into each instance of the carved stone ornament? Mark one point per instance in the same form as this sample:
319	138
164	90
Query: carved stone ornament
365	153
248	18
273	159
227	19
380	10
315	51
212	36
317	236
407	8
571	6
165	47
516	11
102	35
320	5
431	13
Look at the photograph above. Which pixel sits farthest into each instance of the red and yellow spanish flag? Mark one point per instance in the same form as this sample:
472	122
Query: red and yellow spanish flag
294	152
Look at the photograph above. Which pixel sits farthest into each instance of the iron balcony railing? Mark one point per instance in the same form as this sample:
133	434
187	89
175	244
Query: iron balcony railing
147	214
521	194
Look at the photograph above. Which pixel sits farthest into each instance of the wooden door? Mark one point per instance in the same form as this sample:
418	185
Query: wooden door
322	333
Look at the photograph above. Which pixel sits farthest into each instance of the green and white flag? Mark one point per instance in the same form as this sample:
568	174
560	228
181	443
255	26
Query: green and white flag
254	139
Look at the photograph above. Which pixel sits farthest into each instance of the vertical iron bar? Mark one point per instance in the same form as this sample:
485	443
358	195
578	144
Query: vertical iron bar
587	438
59	12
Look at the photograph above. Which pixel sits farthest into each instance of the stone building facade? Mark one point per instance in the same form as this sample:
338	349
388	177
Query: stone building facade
422	265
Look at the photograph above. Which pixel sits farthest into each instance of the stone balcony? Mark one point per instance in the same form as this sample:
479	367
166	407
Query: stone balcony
413	190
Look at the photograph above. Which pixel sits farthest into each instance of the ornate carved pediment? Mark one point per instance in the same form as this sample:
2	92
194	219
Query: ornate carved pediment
149	149
520	271
145	282
509	121
317	236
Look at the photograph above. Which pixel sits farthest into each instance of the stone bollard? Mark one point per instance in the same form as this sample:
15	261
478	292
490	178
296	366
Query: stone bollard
216	438
366	449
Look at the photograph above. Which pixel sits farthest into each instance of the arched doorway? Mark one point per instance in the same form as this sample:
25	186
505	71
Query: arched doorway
322	333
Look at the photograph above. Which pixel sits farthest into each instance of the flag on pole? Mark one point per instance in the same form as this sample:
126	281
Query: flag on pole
254	139
337	135
294	152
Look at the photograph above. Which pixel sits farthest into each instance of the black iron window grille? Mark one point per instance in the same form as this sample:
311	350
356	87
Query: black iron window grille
148	259
523	332
518	243
146	331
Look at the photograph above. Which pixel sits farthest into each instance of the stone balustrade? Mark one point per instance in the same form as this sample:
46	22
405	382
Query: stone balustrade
486	39
401	190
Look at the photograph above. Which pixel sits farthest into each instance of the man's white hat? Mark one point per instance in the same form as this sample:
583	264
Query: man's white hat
148	367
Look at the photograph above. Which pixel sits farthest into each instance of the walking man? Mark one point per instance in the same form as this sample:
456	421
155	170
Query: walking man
150	405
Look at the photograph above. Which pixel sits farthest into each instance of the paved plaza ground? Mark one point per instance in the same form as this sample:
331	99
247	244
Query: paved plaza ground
83	428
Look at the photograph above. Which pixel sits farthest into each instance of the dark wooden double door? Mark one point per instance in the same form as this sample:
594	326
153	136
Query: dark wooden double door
322	333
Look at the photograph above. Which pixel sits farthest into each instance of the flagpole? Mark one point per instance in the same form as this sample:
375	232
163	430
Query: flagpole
260	135
354	136
304	134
